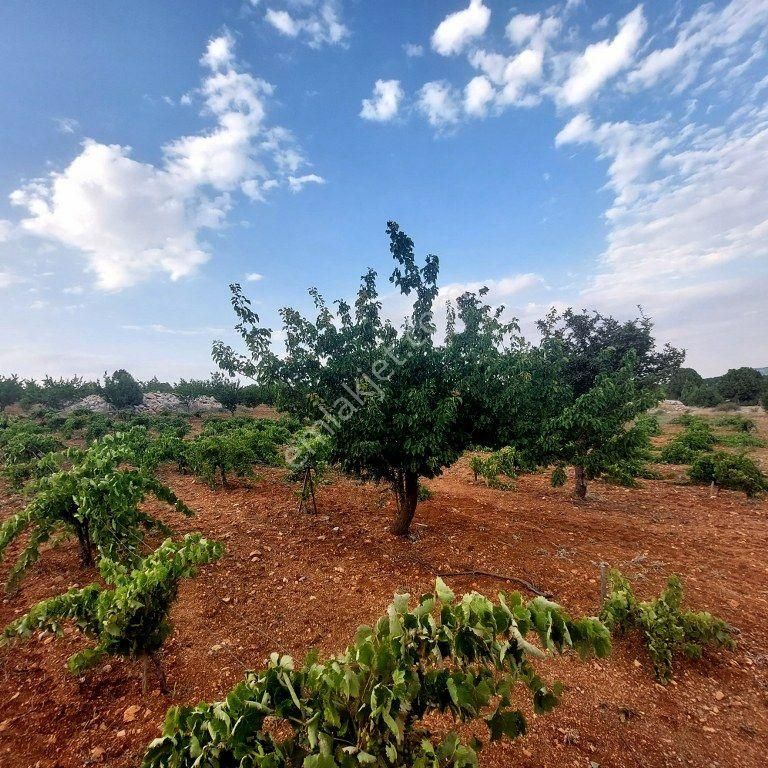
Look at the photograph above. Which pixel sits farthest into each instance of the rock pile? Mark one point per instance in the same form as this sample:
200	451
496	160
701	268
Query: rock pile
154	402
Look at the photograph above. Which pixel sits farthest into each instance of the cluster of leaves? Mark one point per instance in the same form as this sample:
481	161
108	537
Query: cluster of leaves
695	439
25	449
367	705
735	472
506	461
130	618
11	391
736	422
96	498
667	628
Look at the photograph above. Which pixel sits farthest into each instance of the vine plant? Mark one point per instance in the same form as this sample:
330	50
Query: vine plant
96	499
131	618
667	628
366	706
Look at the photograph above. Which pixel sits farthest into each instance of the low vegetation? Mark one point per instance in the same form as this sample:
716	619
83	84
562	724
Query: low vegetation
665	626
367	705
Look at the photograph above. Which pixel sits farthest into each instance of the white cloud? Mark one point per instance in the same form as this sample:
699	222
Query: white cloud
413	50
707	30
440	103
7	279
321	25
387	95
478	94
254	277
297	183
163	329
66	124
601	61
133	219
498	289
459	29
38	304
522	27
73	290
6	230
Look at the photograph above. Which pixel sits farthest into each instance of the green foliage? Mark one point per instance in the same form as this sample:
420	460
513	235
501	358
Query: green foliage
695	439
309	447
741	440
737	423
11	391
367	705
649	424
97	499
234	446
23	447
666	627
681	380
742	385
389	397
56	393
598	431
702	396
131	618
727	470
506	461
121	390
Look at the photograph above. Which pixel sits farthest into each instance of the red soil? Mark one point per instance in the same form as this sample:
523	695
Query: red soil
289	582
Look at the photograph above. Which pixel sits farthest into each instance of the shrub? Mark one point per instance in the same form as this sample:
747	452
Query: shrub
649	424
97	499
731	471
697	438
130	619
506	461
23	447
122	390
741	440
367	705
742	385
702	396
737	423
666	627
230	453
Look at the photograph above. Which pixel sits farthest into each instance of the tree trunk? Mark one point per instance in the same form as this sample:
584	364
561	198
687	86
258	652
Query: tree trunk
157	664
580	491
84	539
406	489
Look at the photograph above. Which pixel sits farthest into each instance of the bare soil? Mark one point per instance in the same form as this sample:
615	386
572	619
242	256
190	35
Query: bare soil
289	582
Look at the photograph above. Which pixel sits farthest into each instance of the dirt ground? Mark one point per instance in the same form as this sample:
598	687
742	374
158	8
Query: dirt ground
291	581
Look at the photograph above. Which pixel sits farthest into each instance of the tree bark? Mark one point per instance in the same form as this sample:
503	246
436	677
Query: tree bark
580	491
406	489
84	539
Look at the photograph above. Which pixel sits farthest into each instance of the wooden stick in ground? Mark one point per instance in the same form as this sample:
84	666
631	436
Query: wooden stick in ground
527	584
303	491
312	489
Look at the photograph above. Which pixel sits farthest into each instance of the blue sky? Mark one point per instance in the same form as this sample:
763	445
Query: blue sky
593	154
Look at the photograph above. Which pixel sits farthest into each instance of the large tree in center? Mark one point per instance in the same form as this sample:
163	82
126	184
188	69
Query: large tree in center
385	395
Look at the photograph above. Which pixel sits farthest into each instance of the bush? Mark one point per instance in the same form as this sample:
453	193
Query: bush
649	424
702	396
506	461
122	390
369	705
131	618
667	628
741	440
732	471
742	385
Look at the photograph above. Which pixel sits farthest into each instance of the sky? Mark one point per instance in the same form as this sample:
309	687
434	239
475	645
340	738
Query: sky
600	155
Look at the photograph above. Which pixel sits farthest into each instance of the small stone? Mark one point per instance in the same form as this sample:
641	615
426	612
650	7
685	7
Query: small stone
130	714
121	734
719	695
97	753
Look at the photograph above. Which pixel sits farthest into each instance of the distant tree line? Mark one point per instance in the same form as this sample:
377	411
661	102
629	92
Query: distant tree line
122	390
741	386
